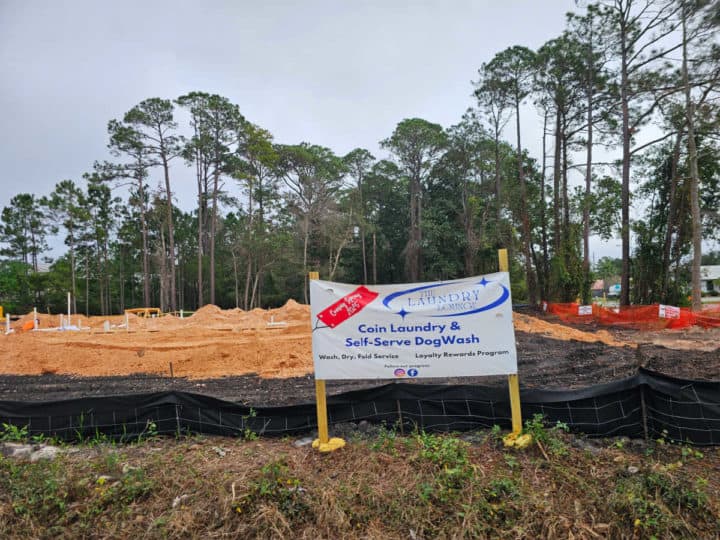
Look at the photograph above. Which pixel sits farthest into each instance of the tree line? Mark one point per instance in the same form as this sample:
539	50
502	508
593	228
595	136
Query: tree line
634	79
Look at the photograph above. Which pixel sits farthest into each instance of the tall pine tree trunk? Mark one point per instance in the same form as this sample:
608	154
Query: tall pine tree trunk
543	217
694	178
672	217
586	202
144	230
498	205
625	192
527	239
73	272
200	299
412	250
213	230
556	184
306	231
171	234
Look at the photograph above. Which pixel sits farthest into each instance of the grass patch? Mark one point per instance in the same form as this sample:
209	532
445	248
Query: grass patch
420	485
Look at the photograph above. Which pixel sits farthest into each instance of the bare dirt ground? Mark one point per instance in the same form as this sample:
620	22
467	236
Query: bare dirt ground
263	357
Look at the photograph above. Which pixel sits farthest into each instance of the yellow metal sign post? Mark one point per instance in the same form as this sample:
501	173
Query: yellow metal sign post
515	438
323	443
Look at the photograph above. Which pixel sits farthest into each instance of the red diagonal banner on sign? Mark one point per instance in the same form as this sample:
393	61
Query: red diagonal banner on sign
347	306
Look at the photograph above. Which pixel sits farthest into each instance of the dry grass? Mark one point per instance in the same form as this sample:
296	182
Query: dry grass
420	486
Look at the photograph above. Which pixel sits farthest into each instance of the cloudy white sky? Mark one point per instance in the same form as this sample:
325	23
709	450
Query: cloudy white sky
337	73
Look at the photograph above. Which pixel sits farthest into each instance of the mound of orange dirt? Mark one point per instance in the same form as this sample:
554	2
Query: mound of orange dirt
211	343
534	325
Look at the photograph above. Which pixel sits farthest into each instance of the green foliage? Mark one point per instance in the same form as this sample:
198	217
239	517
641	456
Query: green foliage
605	207
248	433
13	433
132	487
149	432
449	457
273	485
444	451
15	288
502	488
385	440
36	489
548	437
566	281
654	502
417	145
607	268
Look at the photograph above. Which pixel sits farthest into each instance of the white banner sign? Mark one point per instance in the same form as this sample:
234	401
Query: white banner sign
585	310
668	312
455	328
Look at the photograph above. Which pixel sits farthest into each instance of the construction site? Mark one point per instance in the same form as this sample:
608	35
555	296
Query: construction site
263	357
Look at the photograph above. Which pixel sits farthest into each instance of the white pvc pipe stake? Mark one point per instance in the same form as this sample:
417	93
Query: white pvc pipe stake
69	308
35	319
127	322
7	323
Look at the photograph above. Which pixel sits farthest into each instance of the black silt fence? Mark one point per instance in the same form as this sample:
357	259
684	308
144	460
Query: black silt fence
647	404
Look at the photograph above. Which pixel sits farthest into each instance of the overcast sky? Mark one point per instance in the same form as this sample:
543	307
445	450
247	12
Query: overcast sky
336	73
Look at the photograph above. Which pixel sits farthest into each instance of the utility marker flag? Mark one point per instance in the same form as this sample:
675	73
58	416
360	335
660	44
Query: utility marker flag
458	328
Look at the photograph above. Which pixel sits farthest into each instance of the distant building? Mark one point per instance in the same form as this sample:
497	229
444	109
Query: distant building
708	276
614	290
598	288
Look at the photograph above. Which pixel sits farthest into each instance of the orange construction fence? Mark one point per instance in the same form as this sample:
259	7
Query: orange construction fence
652	317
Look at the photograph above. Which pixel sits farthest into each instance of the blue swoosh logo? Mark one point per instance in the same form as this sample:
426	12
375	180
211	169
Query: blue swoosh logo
393	296
502	299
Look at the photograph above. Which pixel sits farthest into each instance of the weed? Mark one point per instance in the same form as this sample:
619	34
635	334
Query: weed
13	433
35	489
385	441
119	495
274	485
98	438
447	452
547	437
655	502
149	432
111	461
688	452
80	431
502	488
449	455
496	435
511	461
248	433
